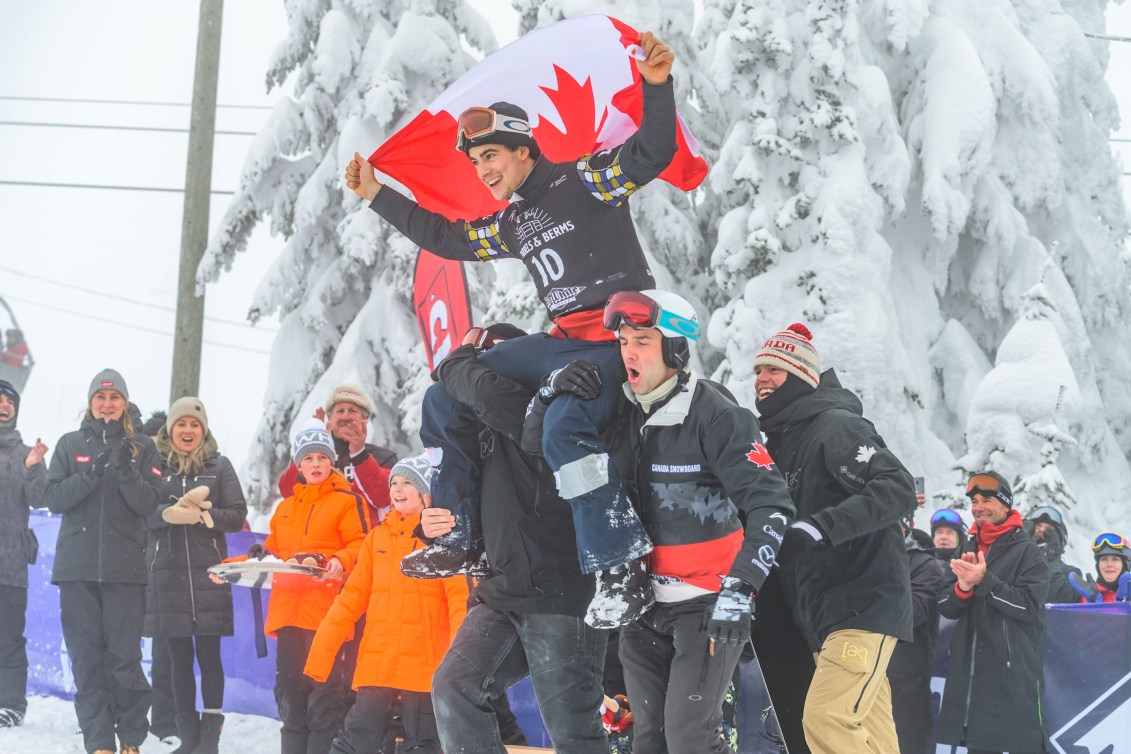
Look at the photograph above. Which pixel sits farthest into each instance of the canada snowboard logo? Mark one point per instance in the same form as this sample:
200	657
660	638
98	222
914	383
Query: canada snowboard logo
759	456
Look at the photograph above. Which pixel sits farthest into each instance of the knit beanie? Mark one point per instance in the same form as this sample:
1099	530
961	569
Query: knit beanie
348	393
8	389
792	350
312	437
187	406
417	471
107	379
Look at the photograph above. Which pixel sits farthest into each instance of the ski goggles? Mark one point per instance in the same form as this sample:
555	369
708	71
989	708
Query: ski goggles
1047	513
1109	539
986	486
946	517
641	313
476	122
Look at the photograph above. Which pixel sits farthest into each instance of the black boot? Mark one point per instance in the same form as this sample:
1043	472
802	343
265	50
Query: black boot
188	730
211	723
623	594
437	561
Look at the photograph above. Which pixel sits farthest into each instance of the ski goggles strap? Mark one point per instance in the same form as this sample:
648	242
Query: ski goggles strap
1109	539
475	122
947	517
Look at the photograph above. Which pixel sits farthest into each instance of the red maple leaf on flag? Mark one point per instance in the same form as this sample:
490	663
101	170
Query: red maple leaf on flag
759	456
574	103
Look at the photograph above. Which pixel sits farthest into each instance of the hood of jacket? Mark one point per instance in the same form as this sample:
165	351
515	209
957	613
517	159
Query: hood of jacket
920	540
10	438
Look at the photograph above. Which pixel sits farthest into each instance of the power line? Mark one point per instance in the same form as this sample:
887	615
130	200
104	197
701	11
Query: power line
124	102
156	129
1107	37
126	299
46	184
96	318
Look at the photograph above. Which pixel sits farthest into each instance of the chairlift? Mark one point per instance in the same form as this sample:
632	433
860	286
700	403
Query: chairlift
15	357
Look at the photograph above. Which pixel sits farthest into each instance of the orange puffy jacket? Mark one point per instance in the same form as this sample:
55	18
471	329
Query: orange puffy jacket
409	623
325	518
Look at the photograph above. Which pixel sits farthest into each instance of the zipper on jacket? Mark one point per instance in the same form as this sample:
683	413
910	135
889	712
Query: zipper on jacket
156	550
188	558
306	529
970	682
1008	654
102	511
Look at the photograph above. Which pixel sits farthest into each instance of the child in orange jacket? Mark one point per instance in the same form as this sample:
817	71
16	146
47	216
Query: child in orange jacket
325	523
409	624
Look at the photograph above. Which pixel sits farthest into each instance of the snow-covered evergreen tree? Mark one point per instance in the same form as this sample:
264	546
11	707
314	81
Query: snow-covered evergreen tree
342	283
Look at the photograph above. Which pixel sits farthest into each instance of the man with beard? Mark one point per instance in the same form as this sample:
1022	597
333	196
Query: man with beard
843	563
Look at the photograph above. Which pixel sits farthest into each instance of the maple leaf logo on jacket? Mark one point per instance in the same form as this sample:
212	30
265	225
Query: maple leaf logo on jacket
759	456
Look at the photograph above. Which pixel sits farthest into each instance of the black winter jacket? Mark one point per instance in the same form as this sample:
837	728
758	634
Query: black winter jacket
844	481
1060	591
21	488
527	528
181	600
916	658
992	698
709	497
102	534
569	222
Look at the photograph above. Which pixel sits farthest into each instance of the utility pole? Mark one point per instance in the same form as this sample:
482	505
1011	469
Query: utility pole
198	187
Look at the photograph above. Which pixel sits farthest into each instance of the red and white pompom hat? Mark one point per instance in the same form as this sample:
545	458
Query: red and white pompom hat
792	350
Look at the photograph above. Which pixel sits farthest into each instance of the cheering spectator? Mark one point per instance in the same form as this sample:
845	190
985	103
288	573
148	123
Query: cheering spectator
948	533
409	625
1113	561
1046	526
996	591
201	499
102	481
23	478
365	466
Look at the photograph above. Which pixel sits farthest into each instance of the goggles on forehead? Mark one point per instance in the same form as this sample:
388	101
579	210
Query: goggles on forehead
475	122
946	517
1109	539
987	486
641	313
1048	512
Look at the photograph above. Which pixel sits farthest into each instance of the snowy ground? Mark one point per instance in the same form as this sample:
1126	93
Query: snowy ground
51	728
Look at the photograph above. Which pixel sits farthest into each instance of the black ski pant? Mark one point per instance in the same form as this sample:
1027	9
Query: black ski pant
102	629
206	651
911	709
311	712
161	713
13	648
367	723
675	684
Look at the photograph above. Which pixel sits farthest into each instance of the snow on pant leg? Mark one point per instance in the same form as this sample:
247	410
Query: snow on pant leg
123	613
675	685
161	709
182	655
13	648
449	425
421	735
327	704
80	612
364	728
566	658
292	687
211	672
483	661
848	707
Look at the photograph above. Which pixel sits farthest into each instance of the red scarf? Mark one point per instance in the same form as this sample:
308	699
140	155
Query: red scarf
986	534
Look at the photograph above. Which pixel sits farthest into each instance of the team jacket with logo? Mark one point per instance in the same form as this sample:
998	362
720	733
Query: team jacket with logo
701	473
568	222
102	535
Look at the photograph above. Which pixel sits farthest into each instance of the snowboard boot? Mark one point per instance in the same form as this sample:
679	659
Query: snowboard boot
211	723
10	718
623	594
188	731
437	561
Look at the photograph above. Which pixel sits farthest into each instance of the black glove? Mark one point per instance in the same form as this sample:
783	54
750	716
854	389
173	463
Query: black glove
581	378
733	614
257	551
101	461
124	461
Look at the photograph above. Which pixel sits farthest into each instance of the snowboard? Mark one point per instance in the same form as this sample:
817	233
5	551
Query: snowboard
262	573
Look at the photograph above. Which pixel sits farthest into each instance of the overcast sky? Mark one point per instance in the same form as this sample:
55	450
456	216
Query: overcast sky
92	273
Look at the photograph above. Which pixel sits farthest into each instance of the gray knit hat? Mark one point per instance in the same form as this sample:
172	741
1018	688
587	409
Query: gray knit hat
417	471
312	437
107	379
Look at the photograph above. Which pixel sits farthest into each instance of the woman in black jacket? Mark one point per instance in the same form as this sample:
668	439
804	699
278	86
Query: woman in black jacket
201	499
101	481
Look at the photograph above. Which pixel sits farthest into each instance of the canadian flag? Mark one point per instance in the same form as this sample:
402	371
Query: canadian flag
577	80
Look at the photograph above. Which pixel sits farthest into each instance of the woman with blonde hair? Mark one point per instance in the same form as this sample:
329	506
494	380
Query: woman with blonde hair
101	480
200	500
